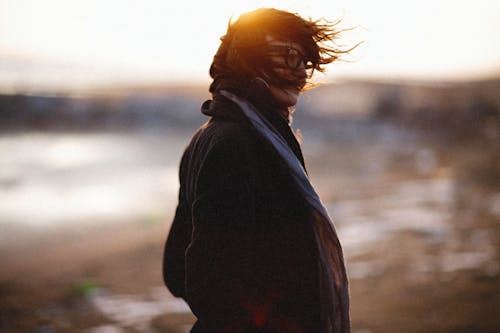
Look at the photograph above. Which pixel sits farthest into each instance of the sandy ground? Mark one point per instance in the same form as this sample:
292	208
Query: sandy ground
39	287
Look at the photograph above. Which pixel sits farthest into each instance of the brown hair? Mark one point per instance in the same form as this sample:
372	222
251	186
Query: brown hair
240	58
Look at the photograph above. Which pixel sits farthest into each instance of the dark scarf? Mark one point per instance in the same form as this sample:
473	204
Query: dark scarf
334	293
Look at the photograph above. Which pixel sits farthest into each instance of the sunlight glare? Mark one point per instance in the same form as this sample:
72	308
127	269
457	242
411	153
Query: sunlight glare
115	41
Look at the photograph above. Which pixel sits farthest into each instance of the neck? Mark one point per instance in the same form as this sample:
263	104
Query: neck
284	113
256	92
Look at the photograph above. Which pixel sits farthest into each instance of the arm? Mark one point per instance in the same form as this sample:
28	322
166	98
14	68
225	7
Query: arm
178	239
222	255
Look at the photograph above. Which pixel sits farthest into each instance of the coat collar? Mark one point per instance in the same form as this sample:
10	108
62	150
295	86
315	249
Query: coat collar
221	107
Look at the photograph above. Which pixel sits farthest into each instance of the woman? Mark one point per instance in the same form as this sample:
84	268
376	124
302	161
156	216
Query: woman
251	248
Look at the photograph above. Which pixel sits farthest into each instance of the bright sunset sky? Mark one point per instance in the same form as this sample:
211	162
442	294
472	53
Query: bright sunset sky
75	43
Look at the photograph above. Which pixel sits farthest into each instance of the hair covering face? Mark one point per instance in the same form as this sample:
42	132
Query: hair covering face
242	57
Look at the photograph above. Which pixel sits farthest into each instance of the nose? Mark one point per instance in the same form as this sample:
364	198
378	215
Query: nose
300	72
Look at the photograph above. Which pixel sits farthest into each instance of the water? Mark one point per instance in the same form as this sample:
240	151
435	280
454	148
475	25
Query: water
49	179
137	311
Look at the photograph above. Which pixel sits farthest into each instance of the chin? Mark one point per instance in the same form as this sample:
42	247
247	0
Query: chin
285	97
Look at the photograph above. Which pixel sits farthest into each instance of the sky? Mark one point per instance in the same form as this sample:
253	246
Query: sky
77	43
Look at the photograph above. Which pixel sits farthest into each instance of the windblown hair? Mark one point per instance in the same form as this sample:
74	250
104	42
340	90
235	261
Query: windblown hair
240	57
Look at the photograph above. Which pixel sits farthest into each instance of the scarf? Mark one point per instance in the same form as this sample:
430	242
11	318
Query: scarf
334	293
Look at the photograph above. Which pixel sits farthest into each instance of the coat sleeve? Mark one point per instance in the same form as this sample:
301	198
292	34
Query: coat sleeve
178	239
221	261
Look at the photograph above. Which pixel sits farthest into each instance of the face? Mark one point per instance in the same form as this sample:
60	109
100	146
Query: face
290	65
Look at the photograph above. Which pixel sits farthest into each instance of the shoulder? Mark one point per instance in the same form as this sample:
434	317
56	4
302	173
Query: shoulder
224	133
218	146
229	142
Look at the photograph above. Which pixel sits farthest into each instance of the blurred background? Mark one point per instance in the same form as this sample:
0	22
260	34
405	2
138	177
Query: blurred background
99	98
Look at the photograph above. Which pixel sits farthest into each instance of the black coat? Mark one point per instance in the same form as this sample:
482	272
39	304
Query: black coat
241	248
